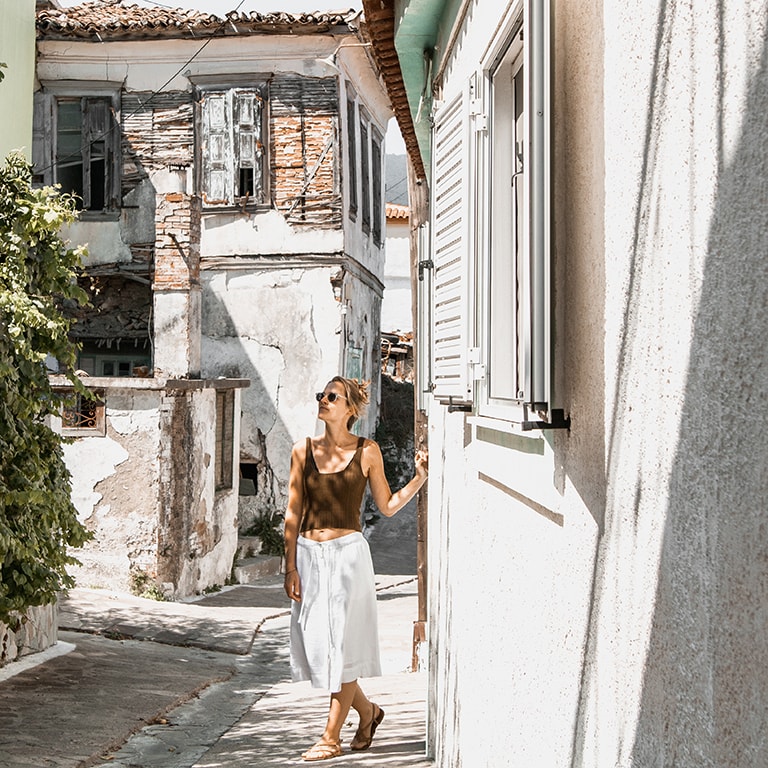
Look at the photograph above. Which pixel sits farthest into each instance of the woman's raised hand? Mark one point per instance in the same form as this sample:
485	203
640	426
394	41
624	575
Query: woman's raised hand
422	463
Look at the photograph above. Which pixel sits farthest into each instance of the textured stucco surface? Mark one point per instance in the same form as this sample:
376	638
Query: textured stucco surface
605	589
281	329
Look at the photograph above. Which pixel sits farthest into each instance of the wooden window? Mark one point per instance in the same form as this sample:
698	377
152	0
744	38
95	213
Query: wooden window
377	211
365	179
84	417
352	150
76	143
232	147
225	428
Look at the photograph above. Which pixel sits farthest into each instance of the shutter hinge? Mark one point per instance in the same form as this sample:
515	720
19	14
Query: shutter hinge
425	264
476	365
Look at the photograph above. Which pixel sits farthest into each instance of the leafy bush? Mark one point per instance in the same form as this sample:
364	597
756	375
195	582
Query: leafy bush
38	521
268	528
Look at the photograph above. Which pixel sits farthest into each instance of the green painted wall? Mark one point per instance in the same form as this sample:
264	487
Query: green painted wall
17	51
419	27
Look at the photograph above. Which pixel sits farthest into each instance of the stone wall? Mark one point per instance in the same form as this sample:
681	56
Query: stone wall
35	631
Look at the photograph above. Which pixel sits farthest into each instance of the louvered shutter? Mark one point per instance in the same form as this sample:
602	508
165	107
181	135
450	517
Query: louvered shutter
450	251
218	173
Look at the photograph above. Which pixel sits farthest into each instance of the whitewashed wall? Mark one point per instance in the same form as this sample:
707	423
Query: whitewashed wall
598	598
396	308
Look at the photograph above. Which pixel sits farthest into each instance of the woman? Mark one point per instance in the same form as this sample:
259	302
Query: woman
329	573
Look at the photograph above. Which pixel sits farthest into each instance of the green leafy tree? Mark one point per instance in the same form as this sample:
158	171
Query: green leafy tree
38	522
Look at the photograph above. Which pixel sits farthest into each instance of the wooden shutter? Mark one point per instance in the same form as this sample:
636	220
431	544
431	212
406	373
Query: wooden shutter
101	142
377	212
218	172
450	251
247	139
365	195
42	139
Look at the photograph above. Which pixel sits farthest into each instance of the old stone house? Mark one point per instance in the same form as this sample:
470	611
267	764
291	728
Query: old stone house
230	171
591	367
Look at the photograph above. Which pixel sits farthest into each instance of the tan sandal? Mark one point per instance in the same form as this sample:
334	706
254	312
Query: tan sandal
323	750
364	736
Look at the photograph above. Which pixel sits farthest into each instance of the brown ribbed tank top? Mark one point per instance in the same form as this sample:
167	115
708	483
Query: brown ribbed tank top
333	499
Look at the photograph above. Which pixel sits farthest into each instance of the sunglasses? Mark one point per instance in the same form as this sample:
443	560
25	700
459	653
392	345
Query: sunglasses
332	397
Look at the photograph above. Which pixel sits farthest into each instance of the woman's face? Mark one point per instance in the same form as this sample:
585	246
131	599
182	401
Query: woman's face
333	405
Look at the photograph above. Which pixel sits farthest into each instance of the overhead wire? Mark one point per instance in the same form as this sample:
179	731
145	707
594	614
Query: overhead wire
143	104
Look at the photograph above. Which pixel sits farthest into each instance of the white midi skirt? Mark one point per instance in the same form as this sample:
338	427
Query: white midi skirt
334	629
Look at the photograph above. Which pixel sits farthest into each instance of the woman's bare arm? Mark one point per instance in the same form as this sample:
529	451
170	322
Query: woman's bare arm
293	519
389	503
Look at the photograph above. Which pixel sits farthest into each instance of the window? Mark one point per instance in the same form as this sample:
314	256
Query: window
76	143
352	152
365	193
232	147
377	211
225	427
491	229
85	416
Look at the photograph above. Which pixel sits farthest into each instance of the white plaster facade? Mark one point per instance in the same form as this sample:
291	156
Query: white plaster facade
397	306
597	596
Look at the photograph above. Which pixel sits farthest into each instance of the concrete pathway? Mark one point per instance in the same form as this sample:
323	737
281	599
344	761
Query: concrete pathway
198	684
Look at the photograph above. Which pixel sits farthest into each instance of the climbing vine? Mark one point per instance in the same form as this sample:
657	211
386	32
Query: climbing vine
38	522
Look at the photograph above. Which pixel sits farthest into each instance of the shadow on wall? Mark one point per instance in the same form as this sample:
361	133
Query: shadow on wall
705	690
225	354
705	678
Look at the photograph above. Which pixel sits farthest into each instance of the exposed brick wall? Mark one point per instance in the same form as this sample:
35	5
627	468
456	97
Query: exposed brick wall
158	132
177	248
304	151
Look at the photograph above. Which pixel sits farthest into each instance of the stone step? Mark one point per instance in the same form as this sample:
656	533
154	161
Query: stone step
248	546
251	569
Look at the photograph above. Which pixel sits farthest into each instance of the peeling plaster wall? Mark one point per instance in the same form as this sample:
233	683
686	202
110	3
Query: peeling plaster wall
281	328
605	589
197	526
115	484
397	307
147	491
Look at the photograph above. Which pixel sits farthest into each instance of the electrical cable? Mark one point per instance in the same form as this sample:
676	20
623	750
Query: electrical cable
152	95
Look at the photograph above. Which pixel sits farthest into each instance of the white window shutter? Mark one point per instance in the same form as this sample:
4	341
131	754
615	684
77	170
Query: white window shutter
218	171
451	251
248	148
538	64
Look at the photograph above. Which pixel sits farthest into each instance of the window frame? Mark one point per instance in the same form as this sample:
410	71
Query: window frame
365	173
352	143
229	90
45	140
98	427
377	191
528	22
224	463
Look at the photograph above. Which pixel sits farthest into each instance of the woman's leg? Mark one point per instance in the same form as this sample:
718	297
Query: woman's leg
371	716
330	742
341	701
350	696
